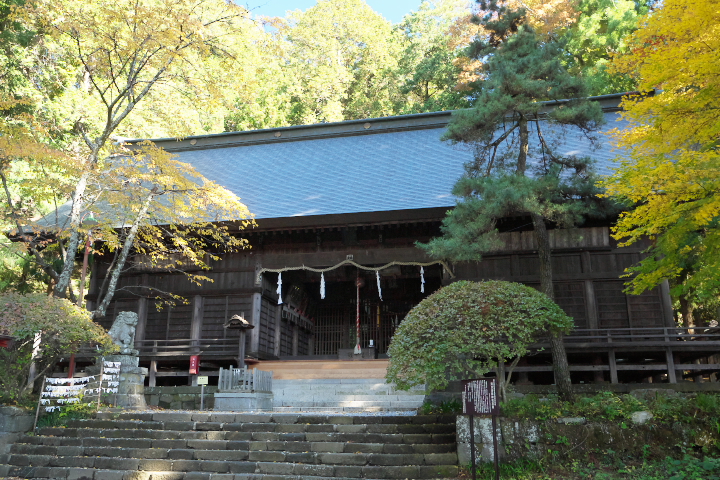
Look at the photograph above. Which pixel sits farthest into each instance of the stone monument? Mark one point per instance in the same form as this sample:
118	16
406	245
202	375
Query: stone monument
131	391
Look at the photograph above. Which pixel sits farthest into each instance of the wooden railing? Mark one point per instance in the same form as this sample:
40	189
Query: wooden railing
645	335
219	347
244	380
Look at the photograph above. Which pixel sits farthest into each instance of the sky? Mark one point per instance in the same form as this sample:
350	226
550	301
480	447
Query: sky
393	10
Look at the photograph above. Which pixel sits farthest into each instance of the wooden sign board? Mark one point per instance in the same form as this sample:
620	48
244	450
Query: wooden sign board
480	397
202	380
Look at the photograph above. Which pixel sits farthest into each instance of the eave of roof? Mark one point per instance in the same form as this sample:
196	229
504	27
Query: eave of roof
415	121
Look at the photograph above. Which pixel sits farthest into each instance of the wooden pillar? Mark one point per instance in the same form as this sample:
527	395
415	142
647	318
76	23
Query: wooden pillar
196	324
195	333
698	377
672	378
241	348
599	375
311	344
167	325
278	330
667	304
295	339
591	311
142	322
613	367
523	378
152	380
93	287
514	265
255	320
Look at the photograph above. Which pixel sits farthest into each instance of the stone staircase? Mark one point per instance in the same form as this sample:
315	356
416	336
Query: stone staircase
233	446
337	385
343	395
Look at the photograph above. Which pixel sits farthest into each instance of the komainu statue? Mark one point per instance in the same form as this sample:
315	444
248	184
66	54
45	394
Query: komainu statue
123	332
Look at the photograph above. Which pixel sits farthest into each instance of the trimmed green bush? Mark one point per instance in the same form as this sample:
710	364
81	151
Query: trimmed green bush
463	329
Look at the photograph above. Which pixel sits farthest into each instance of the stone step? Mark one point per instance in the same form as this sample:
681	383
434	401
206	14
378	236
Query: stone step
263	471
304	395
223	446
359	405
346	384
325	369
93	426
343	410
343	394
195	449
169	459
279	418
198	428
219	440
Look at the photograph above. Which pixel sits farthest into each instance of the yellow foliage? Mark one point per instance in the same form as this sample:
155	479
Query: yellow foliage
140	62
671	164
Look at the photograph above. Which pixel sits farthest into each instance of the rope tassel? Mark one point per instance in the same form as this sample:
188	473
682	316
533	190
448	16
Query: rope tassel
279	289
322	286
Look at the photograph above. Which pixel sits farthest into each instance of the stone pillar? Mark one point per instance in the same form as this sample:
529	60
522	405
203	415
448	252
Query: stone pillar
131	392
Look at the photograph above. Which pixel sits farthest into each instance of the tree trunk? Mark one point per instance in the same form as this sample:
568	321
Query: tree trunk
74	241
524	147
127	245
686	310
557	347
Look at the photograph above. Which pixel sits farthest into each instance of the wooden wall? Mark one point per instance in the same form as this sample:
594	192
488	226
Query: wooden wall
587	267
587	270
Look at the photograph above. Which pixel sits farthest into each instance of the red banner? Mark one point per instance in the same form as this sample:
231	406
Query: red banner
194	364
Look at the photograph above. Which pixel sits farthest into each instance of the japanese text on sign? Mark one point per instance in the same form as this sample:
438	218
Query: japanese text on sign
479	397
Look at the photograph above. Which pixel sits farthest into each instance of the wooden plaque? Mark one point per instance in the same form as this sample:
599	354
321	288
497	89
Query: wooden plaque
480	397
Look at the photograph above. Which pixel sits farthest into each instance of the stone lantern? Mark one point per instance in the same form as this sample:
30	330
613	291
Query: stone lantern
238	322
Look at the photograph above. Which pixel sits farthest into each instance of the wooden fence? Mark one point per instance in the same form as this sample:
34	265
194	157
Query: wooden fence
244	380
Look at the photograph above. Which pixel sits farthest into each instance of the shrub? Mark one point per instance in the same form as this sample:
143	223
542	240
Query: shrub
463	330
63	329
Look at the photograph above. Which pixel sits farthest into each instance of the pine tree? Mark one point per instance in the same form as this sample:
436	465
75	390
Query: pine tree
523	102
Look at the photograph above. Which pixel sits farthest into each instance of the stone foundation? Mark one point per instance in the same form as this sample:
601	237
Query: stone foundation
13	423
179	398
244	402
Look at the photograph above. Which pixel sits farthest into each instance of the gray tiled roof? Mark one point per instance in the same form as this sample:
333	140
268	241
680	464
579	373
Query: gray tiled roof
390	168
